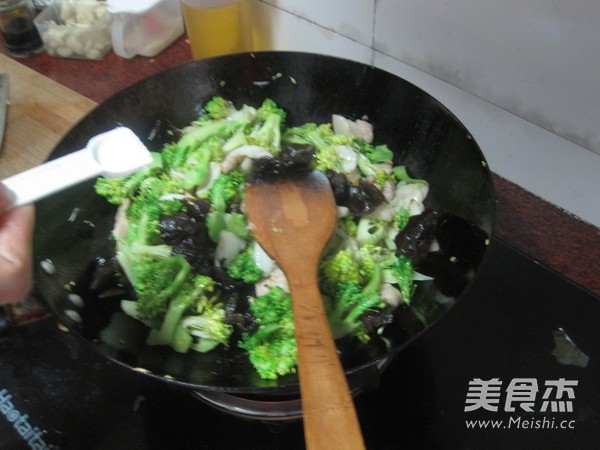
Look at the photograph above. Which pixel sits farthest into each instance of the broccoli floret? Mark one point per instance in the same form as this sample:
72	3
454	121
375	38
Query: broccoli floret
375	154
158	187
341	268
370	266
178	305
401	218
237	224
186	164
373	160
348	225
153	271
192	299
376	172
194	171
318	135
238	139
228	188
244	267
171	297
215	223
327	158
222	129
173	155
370	230
267	131
349	304
401	174
351	280
143	216
268	109
399	270
399	222
272	347
323	139
116	190
156	281
219	108
361	267
209	329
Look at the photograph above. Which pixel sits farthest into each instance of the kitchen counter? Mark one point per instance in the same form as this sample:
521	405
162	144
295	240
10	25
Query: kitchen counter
543	232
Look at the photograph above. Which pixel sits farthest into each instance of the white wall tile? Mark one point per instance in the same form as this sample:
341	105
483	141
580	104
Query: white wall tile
537	58
350	18
276	29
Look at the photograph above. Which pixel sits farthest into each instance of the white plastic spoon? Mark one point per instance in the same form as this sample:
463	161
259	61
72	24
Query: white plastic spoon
116	153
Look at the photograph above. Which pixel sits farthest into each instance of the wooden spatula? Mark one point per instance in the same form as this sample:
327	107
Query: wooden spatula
293	220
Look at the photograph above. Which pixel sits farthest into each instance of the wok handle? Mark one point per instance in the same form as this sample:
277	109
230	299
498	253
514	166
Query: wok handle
330	419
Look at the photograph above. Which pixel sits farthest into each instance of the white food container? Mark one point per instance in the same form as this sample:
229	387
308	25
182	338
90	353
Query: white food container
75	29
144	27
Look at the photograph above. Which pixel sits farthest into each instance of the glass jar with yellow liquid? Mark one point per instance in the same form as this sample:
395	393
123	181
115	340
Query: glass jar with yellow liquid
217	27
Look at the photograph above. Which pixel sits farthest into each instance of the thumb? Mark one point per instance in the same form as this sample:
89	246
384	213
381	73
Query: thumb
5	197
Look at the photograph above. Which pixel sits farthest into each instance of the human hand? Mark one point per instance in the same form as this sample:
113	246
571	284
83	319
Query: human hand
16	231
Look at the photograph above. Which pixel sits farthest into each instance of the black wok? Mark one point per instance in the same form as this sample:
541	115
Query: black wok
73	227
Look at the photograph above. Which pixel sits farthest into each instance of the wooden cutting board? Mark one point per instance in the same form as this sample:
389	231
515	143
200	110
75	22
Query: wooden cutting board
40	112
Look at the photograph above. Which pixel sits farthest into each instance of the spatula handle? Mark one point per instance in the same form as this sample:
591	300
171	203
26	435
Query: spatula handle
330	419
51	177
114	153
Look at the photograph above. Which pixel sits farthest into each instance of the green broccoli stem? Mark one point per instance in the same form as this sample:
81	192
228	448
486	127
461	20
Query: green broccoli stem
269	134
197	176
180	278
375	282
195	136
204	345
215	223
264	332
182	340
235	141
237	224
134	180
370	230
168	332
401	174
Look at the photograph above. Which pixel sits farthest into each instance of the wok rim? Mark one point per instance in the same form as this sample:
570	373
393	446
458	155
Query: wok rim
65	146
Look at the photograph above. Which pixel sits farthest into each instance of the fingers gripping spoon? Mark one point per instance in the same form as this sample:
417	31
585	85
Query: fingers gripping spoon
293	220
115	153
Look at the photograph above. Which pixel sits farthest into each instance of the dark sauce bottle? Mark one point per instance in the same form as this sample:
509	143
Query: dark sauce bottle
20	34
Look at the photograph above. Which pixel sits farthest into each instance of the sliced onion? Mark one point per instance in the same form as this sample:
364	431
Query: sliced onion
411	197
275	279
391	295
214	169
228	248
348	158
121	226
359	128
262	260
235	157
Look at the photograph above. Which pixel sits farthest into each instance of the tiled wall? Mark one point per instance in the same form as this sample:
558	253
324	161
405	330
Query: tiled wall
521	74
539	59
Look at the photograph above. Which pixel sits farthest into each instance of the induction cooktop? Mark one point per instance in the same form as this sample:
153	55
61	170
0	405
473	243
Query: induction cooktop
492	374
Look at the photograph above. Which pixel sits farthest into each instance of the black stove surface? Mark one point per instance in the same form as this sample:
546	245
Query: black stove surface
456	387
